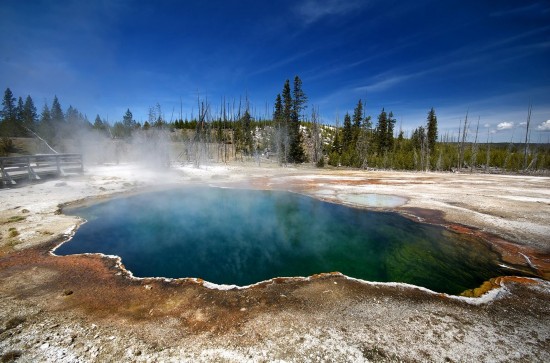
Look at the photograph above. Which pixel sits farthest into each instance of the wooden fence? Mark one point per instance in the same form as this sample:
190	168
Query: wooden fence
17	169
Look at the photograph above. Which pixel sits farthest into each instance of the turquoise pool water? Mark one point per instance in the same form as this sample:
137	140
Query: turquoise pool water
230	236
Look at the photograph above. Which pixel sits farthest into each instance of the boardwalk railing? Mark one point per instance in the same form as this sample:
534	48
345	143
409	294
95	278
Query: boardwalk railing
35	167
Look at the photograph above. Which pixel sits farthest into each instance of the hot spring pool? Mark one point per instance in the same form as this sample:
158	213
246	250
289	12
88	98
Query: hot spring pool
230	236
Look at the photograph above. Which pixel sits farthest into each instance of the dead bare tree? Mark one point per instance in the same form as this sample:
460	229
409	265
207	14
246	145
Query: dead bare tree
527	138
317	137
473	159
463	142
458	145
509	152
488	156
224	128
337	130
425	153
363	143
439	163
41	139
200	141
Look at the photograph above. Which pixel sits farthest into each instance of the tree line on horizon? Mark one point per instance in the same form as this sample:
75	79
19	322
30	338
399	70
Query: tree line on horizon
289	135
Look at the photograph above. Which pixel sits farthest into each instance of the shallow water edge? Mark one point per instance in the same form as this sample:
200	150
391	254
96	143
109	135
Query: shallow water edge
405	212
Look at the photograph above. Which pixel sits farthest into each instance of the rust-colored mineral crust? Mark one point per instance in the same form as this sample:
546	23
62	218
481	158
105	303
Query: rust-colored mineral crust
88	308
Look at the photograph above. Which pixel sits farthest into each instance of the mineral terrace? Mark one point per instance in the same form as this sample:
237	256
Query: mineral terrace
87	308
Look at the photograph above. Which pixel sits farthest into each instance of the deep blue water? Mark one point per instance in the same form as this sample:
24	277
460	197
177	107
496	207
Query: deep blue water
229	236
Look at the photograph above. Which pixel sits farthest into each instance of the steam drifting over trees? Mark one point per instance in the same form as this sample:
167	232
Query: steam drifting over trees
236	131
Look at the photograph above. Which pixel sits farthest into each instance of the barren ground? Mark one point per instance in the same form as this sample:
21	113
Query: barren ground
87	308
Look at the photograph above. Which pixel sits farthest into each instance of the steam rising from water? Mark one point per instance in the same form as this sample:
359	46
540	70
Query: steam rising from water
150	148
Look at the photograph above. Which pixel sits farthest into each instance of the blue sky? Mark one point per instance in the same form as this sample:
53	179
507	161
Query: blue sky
488	58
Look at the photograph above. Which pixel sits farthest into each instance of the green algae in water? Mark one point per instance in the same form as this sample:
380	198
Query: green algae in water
241	237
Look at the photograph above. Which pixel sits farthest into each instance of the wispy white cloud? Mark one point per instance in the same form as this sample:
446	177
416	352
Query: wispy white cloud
461	63
331	69
505	126
393	78
313	10
383	83
544	126
532	9
280	63
465	58
374	53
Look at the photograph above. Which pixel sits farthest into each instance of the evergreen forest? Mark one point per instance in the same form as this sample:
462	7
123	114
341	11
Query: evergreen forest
292	134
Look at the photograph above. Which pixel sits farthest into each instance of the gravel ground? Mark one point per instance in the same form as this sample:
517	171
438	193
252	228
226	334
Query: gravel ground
88	308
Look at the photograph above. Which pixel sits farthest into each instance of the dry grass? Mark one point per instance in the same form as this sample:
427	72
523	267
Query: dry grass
13	232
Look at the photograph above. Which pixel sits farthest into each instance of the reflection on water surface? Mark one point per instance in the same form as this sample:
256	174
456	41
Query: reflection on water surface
241	237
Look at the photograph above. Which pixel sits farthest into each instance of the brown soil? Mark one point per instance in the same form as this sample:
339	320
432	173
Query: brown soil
88	308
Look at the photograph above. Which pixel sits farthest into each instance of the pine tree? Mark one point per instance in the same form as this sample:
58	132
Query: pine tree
336	147
30	116
287	103
72	124
45	116
285	122
85	121
19	110
278	111
99	124
128	120
18	129
400	138
8	115
382	131
347	135
357	119
418	136
246	129
279	131
56	111
363	145
72	116
8	112
300	98
296	152
389	134
45	127
348	148
431	130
